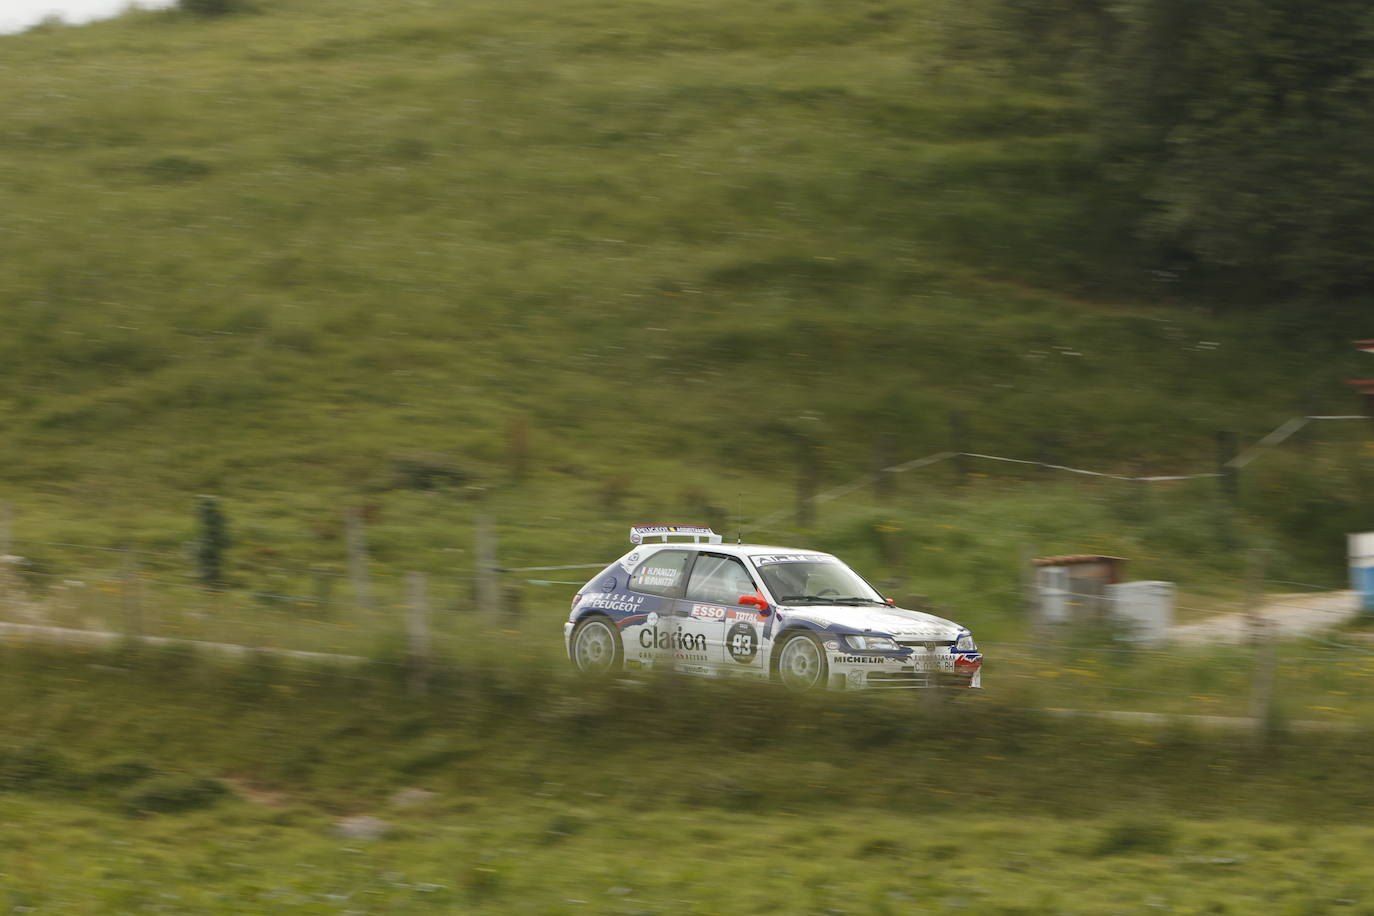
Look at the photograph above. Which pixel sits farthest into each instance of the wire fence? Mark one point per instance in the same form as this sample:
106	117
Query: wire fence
1277	436
415	621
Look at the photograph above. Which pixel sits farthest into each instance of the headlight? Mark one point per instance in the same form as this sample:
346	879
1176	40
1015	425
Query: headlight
872	642
965	644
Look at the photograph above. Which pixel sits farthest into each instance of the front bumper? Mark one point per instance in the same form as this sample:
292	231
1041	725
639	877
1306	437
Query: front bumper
882	671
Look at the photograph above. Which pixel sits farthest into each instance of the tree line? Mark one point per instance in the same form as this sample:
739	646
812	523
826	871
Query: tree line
1234	139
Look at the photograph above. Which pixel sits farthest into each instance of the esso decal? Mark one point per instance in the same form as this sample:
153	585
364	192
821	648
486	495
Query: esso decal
708	612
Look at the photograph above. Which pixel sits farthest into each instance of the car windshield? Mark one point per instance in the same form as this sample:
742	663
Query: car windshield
802	579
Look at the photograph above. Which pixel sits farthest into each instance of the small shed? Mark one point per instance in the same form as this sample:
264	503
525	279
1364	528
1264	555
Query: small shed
1075	586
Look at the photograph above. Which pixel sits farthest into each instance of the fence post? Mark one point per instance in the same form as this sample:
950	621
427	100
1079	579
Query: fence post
130	586
1137	508
884	481
417	633
1047	447
1227	477
488	584
356	537
958	435
806	488
1262	638
1030	594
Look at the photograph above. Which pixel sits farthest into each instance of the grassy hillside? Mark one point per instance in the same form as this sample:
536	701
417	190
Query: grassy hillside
607	261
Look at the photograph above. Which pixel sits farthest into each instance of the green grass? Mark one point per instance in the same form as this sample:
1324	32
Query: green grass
552	855
649	796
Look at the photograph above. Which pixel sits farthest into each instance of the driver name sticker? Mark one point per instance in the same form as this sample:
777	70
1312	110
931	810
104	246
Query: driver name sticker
658	576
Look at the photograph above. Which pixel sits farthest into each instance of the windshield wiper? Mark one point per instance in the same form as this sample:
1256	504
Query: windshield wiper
808	599
822	599
856	600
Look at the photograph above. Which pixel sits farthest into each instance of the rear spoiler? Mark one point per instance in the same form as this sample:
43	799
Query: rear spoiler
698	534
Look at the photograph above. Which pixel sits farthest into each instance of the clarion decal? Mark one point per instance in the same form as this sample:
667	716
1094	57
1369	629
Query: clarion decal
661	639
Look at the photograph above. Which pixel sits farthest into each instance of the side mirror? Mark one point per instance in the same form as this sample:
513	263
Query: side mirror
890	602
754	601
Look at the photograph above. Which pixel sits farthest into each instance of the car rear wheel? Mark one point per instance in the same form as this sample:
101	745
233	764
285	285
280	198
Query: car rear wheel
801	662
596	649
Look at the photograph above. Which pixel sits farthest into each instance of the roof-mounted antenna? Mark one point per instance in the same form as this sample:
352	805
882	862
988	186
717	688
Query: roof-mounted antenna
739	518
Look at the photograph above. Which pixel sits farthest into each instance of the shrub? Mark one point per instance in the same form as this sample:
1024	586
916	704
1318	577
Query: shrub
209	8
30	768
171	794
119	773
1141	834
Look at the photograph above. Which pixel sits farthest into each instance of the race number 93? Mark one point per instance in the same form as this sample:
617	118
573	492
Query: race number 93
742	643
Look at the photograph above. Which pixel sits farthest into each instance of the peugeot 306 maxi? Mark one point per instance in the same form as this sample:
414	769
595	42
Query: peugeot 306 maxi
799	617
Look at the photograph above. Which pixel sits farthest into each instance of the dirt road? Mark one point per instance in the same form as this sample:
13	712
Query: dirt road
1301	614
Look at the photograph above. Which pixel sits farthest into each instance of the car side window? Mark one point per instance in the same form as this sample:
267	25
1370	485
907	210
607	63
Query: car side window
719	580
661	573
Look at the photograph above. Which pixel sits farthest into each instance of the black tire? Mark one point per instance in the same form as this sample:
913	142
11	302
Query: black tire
595	647
799	663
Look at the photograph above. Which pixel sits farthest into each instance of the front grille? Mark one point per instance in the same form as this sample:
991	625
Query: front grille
927	644
898	680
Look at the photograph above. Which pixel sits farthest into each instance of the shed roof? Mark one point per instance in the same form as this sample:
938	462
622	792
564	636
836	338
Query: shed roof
1075	559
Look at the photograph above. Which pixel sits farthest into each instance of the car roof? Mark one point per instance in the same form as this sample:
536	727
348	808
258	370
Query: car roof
740	550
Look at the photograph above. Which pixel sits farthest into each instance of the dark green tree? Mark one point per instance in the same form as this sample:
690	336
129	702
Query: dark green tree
1233	138
212	7
1248	127
213	542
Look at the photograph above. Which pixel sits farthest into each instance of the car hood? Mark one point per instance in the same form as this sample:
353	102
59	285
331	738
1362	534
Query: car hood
897	622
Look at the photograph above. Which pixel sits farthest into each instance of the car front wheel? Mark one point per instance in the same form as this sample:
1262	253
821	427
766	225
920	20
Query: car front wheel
596	649
801	662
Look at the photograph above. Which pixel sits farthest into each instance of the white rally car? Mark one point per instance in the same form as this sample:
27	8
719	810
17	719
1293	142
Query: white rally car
800	617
